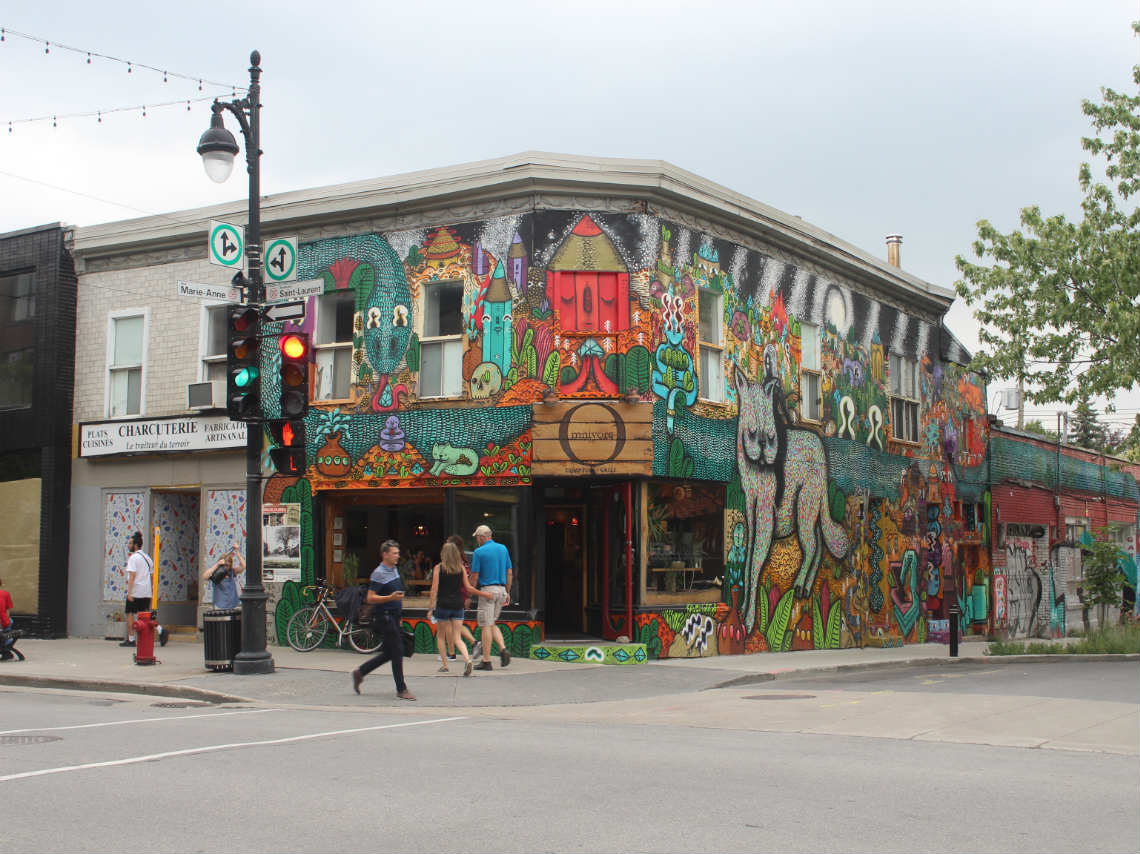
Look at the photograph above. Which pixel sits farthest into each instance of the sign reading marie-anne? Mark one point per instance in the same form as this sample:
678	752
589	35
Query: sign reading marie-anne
160	435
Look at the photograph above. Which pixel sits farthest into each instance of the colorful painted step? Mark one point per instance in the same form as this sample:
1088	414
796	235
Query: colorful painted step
603	652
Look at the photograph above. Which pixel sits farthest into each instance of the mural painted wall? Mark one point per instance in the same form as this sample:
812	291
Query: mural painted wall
850	451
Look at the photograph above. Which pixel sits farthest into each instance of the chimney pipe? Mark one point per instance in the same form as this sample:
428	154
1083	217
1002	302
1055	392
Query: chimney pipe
894	243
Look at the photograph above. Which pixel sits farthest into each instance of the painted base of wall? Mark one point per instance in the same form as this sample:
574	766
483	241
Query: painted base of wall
595	653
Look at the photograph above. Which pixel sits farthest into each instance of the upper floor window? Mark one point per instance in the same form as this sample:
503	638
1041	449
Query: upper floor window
441	340
214	341
17	340
126	356
809	372
333	344
904	398
710	333
18	292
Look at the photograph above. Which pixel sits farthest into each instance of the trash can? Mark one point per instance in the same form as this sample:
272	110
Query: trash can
222	636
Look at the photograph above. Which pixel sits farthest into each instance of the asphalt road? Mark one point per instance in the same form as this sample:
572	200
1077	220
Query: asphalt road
698	771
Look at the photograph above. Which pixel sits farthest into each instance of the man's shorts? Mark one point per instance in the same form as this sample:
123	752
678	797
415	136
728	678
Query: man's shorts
137	605
489	609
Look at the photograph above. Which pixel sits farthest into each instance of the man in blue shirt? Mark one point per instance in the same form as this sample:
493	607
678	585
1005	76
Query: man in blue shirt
386	596
491	570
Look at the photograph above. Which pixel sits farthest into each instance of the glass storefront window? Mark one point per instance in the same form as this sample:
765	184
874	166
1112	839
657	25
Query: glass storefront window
498	509
686	536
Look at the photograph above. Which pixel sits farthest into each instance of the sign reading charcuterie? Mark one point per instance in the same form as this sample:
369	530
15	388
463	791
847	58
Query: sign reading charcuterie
160	435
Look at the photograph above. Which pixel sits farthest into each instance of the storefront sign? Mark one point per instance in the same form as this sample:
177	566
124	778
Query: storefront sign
592	438
160	435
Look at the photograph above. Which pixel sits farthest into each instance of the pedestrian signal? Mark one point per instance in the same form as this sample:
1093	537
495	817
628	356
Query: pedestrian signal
289	455
294	348
243	364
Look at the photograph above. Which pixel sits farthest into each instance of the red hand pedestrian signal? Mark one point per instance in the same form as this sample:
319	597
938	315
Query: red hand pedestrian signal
289	457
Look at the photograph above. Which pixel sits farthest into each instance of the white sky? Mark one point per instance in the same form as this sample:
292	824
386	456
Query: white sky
863	117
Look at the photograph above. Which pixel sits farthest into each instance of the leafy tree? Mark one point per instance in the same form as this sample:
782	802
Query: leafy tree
1103	577
1035	426
1059	301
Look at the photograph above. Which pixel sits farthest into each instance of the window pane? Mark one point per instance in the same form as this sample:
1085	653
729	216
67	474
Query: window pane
16	378
431	370
216	332
711	375
126	386
809	394
809	347
216	371
452	384
128	345
334	317
443	309
710	317
334	373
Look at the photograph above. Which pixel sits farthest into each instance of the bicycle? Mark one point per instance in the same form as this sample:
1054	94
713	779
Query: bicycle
8	638
307	629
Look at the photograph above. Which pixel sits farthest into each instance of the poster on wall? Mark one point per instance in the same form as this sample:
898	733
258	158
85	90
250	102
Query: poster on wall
281	542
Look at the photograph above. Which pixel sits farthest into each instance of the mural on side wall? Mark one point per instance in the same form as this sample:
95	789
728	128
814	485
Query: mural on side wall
846	446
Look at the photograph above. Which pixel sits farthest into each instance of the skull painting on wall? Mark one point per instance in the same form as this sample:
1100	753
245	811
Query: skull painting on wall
486	380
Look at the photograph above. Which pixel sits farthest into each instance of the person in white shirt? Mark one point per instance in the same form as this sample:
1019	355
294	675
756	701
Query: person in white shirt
140	568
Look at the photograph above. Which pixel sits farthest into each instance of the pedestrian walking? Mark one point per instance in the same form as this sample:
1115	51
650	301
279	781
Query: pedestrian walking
5	624
468	601
491	573
140	568
449	587
227	586
386	595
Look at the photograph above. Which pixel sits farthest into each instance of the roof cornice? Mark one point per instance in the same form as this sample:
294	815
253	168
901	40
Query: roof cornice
540	175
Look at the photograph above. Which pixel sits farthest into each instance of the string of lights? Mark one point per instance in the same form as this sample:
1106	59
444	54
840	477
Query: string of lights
55	118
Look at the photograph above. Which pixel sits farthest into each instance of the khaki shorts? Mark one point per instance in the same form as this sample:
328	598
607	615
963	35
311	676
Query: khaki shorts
489	609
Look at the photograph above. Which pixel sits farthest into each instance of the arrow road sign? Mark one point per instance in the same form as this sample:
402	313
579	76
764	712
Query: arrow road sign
286	311
281	259
227	244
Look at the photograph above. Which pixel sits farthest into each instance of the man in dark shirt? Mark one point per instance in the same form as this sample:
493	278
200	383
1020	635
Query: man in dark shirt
386	596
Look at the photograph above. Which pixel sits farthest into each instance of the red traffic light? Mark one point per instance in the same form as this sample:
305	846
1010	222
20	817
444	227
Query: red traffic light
293	346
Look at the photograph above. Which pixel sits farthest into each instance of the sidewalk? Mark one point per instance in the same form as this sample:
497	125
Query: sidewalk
321	677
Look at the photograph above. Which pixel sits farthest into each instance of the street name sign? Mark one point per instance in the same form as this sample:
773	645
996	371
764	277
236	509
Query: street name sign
220	293
300	290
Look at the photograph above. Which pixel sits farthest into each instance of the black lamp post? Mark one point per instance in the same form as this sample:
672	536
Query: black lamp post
218	149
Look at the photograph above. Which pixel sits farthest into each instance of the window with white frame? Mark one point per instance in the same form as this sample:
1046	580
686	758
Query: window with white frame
441	340
809	372
333	345
126	355
214	335
710	335
904	398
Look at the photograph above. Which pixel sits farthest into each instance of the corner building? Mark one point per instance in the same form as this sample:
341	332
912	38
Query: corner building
694	420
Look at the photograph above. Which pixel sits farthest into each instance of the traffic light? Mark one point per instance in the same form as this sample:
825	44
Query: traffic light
243	364
289	455
294	348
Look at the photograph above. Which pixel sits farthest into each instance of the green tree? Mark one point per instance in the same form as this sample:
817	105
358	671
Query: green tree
1103	578
1059	301
1035	426
1085	428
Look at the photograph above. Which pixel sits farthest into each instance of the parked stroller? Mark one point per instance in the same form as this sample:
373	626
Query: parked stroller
8	651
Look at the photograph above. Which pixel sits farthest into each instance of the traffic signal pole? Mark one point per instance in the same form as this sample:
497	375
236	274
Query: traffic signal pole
254	656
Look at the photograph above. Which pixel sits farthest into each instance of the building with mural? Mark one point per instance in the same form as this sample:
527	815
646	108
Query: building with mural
695	421
37	334
1049	499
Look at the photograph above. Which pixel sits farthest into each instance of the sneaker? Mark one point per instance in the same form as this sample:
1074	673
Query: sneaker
127	643
468	667
163	636
357	678
477	650
484	665
451	656
405	695
504	658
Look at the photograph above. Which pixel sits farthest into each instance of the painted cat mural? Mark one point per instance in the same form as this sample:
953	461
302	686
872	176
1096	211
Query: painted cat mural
783	473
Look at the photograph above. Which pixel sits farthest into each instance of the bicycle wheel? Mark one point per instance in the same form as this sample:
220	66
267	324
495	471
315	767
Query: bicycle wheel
364	640
306	629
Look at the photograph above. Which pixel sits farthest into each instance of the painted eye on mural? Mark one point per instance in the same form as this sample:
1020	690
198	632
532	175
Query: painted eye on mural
400	315
374	318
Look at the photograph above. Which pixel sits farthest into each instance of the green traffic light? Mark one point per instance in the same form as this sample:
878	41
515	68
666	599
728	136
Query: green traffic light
245	376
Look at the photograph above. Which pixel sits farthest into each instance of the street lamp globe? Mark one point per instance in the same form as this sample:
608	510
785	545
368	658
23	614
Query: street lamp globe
218	149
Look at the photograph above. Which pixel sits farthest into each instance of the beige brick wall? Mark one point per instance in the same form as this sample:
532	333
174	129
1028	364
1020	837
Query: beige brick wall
173	333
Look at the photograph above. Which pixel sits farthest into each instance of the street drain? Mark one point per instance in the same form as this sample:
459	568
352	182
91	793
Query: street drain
191	704
29	739
780	697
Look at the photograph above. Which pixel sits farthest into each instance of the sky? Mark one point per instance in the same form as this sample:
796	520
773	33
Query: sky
865	118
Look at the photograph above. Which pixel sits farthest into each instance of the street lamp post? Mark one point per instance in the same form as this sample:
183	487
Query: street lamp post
218	149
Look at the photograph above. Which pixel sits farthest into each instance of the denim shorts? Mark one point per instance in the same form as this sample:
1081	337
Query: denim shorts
442	614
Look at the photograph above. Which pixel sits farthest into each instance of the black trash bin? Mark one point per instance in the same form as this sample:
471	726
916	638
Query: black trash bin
222	636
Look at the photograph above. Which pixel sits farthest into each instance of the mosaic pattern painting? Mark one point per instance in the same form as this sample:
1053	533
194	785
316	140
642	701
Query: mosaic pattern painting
847	437
123	514
176	516
225	527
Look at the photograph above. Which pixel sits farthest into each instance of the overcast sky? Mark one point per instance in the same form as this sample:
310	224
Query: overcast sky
864	118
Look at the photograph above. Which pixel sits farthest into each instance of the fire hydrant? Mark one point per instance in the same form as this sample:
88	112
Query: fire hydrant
144	627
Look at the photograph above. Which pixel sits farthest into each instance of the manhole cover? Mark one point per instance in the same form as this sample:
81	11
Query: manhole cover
187	704
780	697
29	739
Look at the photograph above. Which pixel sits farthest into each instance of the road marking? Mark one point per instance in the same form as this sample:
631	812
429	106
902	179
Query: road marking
134	760
138	721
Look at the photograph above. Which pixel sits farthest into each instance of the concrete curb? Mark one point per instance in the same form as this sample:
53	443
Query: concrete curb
183	692
871	666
